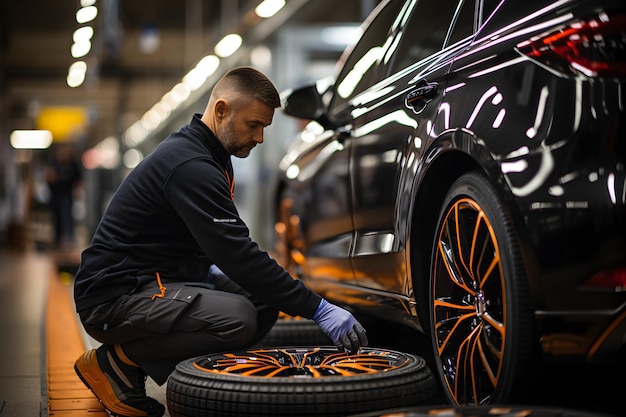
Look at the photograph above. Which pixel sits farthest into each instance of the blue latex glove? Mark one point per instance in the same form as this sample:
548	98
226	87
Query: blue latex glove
215	271
341	326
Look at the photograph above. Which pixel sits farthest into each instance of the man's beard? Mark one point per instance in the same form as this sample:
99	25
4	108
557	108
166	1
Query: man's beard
227	136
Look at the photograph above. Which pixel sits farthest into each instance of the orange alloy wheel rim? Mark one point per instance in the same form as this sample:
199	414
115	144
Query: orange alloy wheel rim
297	362
469	303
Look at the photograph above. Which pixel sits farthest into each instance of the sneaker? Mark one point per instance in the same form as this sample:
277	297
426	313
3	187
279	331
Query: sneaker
119	387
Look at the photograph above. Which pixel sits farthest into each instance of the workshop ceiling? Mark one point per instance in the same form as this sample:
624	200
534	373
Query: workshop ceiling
126	75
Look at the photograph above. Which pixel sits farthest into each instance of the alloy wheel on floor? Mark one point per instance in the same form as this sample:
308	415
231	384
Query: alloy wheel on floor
298	381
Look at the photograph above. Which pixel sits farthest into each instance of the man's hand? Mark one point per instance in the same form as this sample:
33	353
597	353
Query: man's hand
341	326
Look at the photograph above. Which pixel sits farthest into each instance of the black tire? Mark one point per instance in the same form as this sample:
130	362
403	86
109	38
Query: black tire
297	381
294	331
480	317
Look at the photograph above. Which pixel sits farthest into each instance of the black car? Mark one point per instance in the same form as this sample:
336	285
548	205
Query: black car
464	173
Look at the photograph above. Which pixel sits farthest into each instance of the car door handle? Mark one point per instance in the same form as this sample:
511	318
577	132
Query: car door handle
419	97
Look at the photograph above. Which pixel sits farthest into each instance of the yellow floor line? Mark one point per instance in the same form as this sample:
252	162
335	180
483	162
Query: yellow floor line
67	395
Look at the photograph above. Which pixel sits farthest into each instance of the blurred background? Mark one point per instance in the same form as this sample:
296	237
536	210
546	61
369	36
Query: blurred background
89	87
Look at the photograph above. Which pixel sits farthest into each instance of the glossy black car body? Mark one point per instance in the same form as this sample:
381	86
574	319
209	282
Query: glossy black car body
465	175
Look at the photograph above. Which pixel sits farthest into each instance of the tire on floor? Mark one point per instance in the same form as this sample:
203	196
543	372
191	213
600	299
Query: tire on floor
298	381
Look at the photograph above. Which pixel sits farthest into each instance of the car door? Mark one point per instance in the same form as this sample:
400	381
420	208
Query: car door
324	188
391	127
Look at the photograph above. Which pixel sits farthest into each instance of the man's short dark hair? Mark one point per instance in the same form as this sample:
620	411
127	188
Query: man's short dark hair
251	82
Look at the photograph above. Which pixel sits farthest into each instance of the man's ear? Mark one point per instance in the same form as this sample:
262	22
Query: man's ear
221	110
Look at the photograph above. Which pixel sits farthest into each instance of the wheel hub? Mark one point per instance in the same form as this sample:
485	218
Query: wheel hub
481	304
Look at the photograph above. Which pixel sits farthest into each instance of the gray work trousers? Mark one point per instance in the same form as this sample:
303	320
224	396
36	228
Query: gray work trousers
191	319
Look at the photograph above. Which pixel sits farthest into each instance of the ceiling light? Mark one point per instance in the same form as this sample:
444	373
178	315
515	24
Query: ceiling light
80	49
268	8
131	158
161	110
81	34
228	45
31	139
151	119
76	74
86	14
194	79
74	80
199	74
78	67
208	64
181	92
135	134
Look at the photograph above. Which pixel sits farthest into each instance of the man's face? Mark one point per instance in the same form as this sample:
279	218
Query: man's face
243	129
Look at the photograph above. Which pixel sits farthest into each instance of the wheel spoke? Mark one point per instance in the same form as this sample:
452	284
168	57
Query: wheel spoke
466	366
451	332
484	357
453	260
495	324
454	273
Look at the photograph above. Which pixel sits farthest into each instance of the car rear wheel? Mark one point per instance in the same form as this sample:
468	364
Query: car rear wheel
298	381
481	325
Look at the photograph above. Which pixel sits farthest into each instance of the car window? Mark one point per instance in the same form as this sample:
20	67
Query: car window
360	69
425	32
464	24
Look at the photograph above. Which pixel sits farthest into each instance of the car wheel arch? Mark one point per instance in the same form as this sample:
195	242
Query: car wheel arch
433	186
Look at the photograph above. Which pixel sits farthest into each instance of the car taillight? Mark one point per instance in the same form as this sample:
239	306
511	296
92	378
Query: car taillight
612	279
596	47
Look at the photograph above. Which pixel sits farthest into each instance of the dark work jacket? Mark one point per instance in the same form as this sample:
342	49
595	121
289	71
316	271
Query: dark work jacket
173	214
